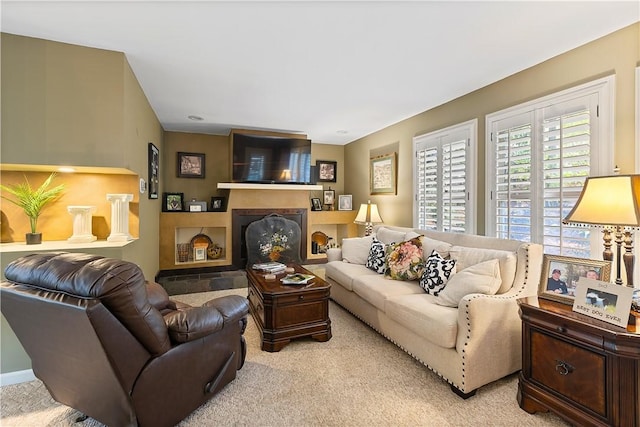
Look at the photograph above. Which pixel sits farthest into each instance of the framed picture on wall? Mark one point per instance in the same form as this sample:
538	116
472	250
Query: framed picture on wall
190	165
327	170
383	174
154	170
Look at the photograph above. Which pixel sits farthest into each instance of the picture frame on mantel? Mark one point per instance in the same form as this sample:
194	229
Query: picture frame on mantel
172	202
190	165
316	204
383	174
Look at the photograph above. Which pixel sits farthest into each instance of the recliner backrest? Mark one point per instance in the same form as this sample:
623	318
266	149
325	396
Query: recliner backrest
119	285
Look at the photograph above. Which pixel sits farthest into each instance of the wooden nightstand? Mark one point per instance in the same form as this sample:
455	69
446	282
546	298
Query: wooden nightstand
585	370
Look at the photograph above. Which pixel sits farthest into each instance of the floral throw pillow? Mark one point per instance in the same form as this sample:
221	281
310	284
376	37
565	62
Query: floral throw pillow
437	272
377	257
404	260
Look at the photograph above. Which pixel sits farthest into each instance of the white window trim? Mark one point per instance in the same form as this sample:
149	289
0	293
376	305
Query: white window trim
605	166
470	169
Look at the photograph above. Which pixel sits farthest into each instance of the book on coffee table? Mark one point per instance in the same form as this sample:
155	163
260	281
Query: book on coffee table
297	279
270	267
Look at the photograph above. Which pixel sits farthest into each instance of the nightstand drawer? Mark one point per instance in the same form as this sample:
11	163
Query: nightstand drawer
574	372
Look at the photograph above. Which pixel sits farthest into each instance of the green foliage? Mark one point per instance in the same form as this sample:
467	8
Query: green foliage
32	201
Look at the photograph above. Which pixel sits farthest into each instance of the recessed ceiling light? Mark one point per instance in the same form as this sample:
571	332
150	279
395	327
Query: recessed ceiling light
195	118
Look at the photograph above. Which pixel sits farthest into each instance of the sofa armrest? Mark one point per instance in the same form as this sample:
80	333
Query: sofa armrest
489	337
193	323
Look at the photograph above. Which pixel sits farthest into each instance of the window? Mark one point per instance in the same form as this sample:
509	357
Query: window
538	157
444	179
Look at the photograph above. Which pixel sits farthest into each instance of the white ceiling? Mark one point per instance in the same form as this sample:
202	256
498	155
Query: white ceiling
334	70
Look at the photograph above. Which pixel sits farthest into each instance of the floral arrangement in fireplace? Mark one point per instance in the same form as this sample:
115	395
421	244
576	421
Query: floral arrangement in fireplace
272	244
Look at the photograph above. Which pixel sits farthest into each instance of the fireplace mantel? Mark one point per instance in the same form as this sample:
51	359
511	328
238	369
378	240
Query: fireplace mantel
247	186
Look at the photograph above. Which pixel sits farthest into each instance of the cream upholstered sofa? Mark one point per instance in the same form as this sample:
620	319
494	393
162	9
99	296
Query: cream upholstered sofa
470	345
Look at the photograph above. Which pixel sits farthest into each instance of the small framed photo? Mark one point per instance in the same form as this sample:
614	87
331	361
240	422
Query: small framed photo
200	253
190	165
172	202
603	300
329	198
560	276
316	205
327	170
345	202
218	204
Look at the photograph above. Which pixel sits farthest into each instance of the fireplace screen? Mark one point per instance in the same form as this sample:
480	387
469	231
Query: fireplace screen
273	238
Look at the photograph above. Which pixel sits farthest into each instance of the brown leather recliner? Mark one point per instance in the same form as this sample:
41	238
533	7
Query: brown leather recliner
113	346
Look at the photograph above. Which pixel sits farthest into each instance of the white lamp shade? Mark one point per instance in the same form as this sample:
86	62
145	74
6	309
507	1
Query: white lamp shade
608	200
368	214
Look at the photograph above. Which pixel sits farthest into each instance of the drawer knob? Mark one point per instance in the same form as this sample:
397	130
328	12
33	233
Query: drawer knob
301	297
561	329
563	368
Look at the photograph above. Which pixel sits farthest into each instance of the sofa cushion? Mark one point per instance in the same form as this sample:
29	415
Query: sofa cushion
343	273
466	257
429	245
388	236
356	249
482	278
377	259
404	260
375	289
436	273
420	314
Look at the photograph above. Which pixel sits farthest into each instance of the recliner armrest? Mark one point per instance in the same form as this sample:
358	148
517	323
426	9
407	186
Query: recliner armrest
232	307
193	323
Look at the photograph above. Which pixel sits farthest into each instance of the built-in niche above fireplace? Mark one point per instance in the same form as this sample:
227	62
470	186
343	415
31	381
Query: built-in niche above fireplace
241	218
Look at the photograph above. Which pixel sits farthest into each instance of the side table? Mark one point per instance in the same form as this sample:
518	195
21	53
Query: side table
585	370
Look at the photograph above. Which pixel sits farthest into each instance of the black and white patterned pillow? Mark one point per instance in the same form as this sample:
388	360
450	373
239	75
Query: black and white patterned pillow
436	274
376	260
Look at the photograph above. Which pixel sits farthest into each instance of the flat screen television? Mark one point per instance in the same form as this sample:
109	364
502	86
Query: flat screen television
271	160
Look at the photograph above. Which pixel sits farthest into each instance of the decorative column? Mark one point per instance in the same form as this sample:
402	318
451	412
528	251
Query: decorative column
119	217
81	224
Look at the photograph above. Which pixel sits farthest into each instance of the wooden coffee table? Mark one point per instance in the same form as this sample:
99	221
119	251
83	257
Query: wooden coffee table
284	312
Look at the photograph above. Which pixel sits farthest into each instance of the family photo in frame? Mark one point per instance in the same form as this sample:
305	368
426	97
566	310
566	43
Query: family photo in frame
172	202
560	276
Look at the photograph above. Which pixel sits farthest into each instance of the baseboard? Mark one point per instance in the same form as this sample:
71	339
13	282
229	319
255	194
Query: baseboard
17	377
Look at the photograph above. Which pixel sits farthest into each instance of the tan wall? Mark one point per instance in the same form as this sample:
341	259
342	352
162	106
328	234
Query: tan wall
617	53
61	104
68	105
217	167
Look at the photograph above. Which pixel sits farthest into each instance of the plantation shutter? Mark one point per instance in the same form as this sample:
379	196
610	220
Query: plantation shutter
542	158
513	176
566	163
443	180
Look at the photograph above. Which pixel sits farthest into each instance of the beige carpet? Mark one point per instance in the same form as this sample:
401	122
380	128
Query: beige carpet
357	378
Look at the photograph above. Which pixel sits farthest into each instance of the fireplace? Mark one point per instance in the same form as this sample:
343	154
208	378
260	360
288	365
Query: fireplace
241	218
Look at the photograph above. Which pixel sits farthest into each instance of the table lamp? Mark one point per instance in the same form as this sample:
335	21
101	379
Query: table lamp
368	215
611	202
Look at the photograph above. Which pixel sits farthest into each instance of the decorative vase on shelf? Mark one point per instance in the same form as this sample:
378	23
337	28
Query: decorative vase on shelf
33	238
